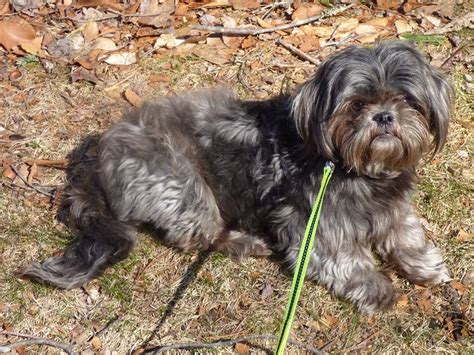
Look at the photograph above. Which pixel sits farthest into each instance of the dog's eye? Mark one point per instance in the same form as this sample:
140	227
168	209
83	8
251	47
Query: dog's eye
357	105
411	102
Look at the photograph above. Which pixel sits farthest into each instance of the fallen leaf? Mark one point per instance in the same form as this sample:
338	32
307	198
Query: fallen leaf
81	73
309	43
402	301
443	8
15	32
160	12
320	31
458	287
463	235
264	23
245	4
345	24
181	10
458	23
138	351
424	301
266	291
329	321
378	22
105	44
368	39
85	63
133	97
108	4
364	29
156	78
167	40
306	10
90	31
468	279
79	335
390	4
4	7
123	58
215	54
34	47
25	5
7	169
96	343
249	42
20	350
114	92
402	26
241	348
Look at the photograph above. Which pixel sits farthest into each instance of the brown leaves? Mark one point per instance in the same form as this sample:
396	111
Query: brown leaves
133	97
306	10
15	33
155	13
107	4
241	348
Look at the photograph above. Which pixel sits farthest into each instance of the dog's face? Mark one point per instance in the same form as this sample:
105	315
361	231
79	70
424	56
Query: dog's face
376	111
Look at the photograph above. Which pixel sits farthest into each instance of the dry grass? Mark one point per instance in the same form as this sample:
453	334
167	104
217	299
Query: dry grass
223	298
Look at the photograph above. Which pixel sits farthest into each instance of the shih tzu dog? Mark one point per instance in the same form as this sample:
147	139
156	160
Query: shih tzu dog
212	171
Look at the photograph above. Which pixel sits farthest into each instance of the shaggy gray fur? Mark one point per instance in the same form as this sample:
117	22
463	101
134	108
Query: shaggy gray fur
215	172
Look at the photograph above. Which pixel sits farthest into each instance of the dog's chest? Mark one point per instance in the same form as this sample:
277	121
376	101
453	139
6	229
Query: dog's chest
365	209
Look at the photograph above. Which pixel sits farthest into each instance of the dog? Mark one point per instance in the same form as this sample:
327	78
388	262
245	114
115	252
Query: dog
213	172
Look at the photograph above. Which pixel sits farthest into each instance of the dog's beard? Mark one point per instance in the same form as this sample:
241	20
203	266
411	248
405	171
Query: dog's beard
378	151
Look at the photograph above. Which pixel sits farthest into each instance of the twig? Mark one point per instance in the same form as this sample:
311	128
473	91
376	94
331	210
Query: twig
32	341
117	14
362	344
217	344
299	53
105	327
241	78
28	184
455	52
60	163
258	31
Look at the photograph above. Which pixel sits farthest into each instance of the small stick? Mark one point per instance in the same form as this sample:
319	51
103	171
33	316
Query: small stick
455	52
363	343
61	163
258	31
105	327
299	53
117	14
33	341
189	346
30	185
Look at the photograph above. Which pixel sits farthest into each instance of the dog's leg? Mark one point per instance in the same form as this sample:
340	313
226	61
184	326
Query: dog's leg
350	274
101	240
338	261
416	258
240	245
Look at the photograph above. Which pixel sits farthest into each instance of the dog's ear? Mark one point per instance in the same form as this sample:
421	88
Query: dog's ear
441	101
311	110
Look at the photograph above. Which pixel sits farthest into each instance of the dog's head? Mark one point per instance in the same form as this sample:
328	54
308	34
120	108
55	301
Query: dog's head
376	111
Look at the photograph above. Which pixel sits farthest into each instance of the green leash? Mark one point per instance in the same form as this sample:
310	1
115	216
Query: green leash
303	260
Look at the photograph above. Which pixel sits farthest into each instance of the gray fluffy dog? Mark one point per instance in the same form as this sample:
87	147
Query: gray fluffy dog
211	171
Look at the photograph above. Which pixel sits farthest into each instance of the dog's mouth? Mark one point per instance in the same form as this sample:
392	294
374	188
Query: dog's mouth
385	135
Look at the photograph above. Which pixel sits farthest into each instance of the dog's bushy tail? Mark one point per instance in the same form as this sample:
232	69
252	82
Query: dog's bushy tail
100	239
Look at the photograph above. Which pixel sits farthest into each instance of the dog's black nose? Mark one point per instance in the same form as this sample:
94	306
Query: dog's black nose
384	118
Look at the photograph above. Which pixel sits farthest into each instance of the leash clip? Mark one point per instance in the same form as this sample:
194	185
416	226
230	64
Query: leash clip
329	165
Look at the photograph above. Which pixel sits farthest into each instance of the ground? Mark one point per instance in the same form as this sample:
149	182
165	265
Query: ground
160	296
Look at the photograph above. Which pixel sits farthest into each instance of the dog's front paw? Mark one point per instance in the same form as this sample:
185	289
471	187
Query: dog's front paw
424	266
374	294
